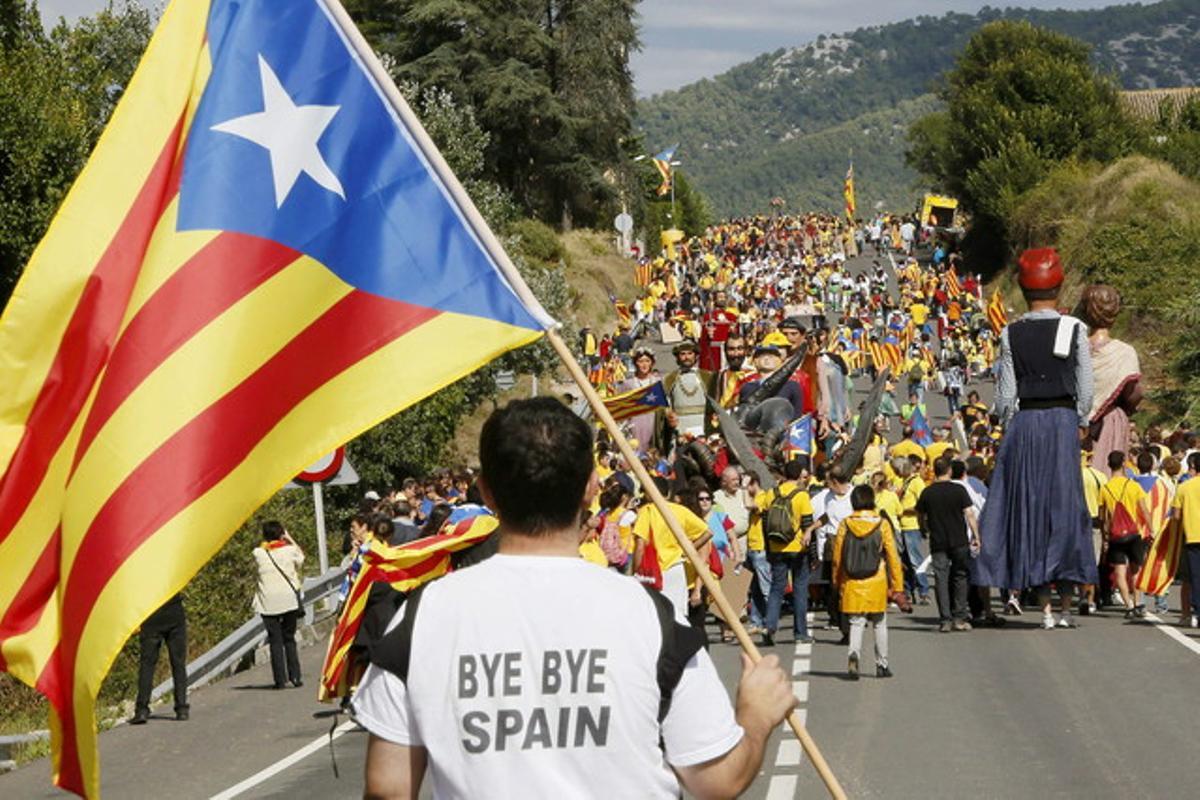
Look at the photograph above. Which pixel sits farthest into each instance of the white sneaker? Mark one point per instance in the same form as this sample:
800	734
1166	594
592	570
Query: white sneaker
1048	621
1066	621
1013	606
1195	623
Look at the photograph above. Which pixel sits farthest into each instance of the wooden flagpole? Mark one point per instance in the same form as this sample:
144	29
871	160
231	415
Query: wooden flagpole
488	240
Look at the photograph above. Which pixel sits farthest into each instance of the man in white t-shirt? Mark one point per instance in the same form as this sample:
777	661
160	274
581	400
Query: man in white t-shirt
830	506
537	674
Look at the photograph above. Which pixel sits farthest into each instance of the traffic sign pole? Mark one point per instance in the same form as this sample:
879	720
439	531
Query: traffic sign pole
319	509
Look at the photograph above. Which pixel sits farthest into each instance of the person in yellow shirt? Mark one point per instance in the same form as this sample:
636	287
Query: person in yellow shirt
887	502
786	548
939	446
1123	501
916	584
864	598
1185	513
907	446
920	315
1093	482
590	548
651	527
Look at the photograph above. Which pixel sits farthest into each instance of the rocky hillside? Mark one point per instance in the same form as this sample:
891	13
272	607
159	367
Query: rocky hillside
740	132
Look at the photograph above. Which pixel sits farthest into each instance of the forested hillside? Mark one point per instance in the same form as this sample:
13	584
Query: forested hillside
747	135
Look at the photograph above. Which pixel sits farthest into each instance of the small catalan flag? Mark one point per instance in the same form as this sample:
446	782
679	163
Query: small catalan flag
638	401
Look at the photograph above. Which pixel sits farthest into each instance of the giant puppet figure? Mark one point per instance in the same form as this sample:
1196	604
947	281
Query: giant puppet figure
1035	527
1116	373
716	326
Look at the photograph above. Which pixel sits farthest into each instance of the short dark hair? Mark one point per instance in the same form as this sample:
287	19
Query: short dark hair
958	469
383	528
1116	460
976	468
1041	294
536	458
272	530
1145	461
793	469
862	498
941	466
1193	461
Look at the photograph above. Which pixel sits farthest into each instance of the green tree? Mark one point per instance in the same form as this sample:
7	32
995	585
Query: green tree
57	92
1019	100
548	80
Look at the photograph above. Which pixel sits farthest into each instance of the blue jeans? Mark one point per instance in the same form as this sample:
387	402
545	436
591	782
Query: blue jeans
759	587
916	554
781	565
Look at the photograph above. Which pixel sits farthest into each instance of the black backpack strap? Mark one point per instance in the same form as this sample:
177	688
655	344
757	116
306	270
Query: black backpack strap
393	651
679	643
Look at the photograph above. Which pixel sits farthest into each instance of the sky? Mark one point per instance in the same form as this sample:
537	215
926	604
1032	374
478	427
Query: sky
685	40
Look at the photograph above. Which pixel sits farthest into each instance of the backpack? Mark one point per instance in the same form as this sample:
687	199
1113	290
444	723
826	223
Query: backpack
1122	527
649	573
861	554
610	541
779	526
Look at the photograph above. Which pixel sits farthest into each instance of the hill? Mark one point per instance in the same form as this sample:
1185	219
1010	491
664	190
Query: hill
740	131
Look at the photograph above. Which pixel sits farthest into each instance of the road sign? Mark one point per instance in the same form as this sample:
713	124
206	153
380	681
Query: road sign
324	468
505	380
623	223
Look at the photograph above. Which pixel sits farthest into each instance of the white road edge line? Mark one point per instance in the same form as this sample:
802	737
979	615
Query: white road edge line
1170	631
283	763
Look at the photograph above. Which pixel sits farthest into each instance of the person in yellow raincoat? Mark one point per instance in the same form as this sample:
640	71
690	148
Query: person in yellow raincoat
866	599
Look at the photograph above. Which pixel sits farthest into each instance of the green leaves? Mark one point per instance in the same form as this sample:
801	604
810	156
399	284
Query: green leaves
1019	100
56	94
548	80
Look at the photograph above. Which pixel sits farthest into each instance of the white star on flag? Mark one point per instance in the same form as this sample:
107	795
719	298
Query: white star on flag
289	133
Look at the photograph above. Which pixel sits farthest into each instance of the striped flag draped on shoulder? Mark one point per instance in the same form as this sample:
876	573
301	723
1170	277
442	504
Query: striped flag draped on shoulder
404	568
260	242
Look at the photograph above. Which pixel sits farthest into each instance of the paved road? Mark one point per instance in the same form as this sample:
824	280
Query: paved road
1104	711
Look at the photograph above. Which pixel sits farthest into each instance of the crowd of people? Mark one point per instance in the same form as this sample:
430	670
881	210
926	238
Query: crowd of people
735	305
739	301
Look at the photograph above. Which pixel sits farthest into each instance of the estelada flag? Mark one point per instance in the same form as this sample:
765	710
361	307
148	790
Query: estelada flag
799	439
637	401
263	258
922	435
662	162
997	316
1163	559
404	568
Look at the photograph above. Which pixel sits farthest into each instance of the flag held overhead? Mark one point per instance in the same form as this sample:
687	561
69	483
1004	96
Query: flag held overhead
263	239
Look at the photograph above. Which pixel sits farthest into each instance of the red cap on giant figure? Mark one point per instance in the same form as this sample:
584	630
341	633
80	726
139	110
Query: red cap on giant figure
1040	268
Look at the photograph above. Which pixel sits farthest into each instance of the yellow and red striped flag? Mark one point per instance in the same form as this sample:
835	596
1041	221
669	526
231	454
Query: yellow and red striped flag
405	567
225	295
953	286
623	312
997	316
1162	561
848	193
642	274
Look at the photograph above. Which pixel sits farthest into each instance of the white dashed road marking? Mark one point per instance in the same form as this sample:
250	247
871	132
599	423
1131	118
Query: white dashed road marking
782	787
